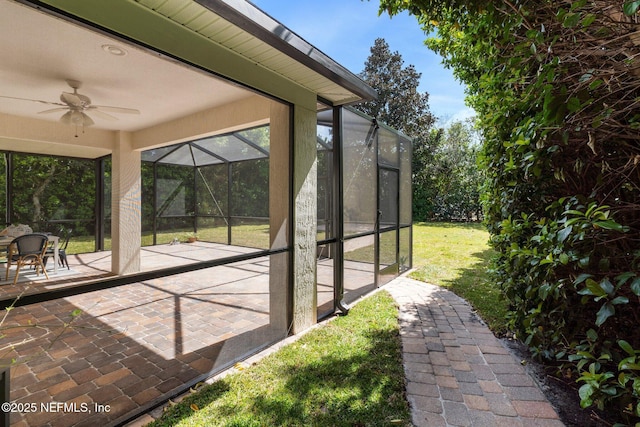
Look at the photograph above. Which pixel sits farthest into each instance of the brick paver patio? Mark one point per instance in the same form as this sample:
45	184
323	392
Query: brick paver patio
134	345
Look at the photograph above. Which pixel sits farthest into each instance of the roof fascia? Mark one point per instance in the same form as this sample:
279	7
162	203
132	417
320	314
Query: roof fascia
245	15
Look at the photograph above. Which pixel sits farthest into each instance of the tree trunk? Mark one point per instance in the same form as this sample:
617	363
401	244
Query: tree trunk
39	191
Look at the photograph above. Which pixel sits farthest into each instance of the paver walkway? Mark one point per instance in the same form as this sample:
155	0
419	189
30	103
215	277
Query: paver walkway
458	373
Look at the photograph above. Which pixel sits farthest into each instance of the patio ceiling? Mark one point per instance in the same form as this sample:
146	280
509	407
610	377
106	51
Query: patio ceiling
42	51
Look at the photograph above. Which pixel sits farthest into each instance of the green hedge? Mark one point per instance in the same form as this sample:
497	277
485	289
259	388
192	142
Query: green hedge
556	87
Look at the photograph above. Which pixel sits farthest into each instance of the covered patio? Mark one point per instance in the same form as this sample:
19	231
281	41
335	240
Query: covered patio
192	117
135	346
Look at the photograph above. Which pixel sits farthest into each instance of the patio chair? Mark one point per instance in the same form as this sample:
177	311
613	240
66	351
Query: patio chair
65	234
27	249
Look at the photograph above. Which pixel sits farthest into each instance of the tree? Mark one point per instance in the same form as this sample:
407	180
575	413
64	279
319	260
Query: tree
445	176
448	175
555	85
458	178
399	104
424	177
49	189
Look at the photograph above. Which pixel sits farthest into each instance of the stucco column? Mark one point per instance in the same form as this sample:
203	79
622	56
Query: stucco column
126	226
305	218
279	183
302	300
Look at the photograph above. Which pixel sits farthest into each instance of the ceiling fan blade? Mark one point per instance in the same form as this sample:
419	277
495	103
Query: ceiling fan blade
114	109
103	115
54	110
32	100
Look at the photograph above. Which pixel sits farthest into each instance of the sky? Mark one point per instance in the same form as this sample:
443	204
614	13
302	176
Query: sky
345	30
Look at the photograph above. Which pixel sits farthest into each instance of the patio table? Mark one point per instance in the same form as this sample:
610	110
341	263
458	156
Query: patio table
55	240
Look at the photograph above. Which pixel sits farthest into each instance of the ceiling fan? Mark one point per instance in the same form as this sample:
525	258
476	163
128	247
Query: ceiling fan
77	106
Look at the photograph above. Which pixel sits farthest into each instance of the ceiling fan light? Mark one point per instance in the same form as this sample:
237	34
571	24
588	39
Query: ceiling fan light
77	118
86	120
66	118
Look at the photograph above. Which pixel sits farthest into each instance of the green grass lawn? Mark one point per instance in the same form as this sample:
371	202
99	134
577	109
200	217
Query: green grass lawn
249	235
346	373
456	257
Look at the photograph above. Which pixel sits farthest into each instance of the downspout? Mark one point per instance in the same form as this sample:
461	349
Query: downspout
8	187
155	202
338	214
99	171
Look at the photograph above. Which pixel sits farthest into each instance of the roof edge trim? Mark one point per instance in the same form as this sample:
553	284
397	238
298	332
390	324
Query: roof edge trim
250	18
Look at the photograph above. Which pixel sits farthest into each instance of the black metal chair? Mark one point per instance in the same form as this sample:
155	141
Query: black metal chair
62	249
27	249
